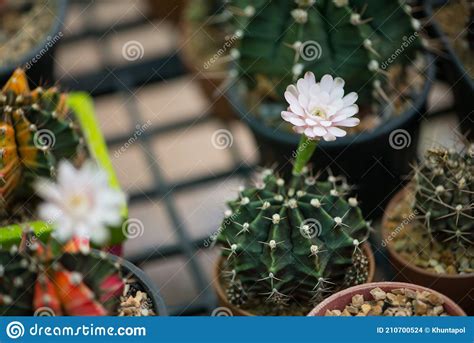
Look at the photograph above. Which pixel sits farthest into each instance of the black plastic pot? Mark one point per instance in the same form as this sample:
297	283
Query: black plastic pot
144	282
453	72
42	69
367	159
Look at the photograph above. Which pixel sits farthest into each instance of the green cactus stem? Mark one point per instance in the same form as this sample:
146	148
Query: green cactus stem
34	134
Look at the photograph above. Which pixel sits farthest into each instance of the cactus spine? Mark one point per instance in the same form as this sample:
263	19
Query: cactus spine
445	195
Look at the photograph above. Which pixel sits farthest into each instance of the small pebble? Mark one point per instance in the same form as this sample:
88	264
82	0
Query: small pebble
400	302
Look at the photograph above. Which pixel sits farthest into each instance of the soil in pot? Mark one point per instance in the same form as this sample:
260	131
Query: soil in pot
445	267
167	9
454	19
140	297
257	306
205	46
387	299
28	33
451	25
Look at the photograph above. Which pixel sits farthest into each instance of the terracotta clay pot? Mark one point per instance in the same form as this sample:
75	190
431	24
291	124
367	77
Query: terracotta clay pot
222	298
167	9
459	287
339	300
210	86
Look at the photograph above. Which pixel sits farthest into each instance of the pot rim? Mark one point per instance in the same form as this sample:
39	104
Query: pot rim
54	30
238	311
148	285
456	309
363	137
395	255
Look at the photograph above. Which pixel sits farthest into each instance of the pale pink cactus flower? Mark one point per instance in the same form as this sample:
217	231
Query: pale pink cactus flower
320	109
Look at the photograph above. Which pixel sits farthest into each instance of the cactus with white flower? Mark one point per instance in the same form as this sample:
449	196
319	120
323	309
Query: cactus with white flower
296	241
59	274
280	40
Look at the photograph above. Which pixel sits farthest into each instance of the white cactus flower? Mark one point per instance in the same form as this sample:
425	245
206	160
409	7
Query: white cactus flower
319	109
81	203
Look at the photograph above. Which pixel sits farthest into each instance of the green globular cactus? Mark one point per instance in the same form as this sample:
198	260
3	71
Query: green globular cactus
444	187
35	133
35	280
354	39
296	242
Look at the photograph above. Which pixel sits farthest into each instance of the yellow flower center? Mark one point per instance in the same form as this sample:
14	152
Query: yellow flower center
79	203
319	112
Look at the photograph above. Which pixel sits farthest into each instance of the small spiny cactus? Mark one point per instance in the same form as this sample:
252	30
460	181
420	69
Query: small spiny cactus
445	195
293	242
35	280
35	133
280	40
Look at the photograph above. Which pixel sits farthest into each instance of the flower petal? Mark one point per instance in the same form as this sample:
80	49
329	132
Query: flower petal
350	98
303	87
349	111
309	132
310	78
336	94
326	83
329	137
338	83
337	132
349	122
319	131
